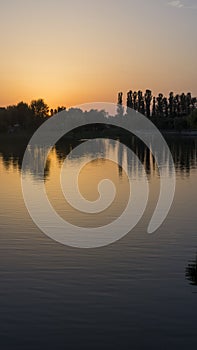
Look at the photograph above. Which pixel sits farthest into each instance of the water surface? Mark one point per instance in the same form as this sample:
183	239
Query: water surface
138	293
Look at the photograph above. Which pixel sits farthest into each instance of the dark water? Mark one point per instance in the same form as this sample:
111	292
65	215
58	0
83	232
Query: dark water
138	293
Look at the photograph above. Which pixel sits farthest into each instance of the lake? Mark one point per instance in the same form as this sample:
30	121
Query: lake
138	293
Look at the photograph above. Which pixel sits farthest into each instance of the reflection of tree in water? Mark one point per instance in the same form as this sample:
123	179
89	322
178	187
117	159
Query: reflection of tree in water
36	158
184	151
63	148
108	146
191	272
12	156
12	151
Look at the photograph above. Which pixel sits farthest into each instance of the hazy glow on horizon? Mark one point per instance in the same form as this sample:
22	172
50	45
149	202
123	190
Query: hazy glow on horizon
73	52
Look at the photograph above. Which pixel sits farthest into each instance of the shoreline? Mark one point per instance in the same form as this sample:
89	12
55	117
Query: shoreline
87	135
179	133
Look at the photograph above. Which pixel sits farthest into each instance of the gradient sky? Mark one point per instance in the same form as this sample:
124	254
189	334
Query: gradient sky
72	52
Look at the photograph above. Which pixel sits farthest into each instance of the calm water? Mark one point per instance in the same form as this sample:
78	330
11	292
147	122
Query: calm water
138	293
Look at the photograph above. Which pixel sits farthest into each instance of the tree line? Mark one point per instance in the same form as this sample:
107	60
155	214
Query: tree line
25	116
172	112
175	112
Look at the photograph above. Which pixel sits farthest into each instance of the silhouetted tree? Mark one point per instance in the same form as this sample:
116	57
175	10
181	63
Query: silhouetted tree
40	108
139	100
177	105
148	99
154	107
3	121
160	105
188	102
60	109
183	104
120	95
130	99
171	103
24	115
194	103
165	107
120	110
142	110
135	100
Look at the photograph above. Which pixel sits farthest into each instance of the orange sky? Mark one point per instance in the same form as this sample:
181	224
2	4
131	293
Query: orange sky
76	52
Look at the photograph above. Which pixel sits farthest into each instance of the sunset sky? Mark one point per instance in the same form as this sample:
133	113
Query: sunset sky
73	52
